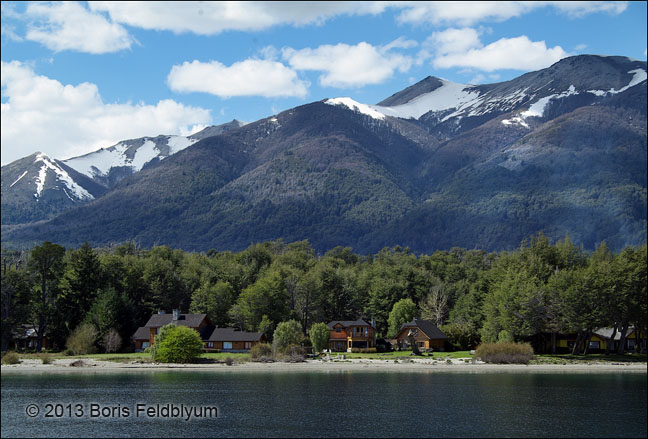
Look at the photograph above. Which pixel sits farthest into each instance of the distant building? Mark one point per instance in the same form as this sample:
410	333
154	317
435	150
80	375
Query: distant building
213	338
426	334
346	335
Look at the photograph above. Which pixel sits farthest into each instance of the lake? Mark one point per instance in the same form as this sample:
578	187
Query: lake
324	404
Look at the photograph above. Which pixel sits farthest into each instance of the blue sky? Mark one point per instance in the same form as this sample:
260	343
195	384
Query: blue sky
78	76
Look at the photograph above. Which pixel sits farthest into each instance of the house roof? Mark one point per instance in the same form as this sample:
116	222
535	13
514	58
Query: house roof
231	334
142	333
428	328
347	323
191	320
607	333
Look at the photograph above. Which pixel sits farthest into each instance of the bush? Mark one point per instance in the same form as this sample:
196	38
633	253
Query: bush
319	335
82	340
293	354
46	359
286	334
180	344
504	337
10	358
112	341
261	351
505	353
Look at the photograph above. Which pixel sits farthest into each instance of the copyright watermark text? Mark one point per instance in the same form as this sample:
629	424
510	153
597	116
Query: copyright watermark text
140	410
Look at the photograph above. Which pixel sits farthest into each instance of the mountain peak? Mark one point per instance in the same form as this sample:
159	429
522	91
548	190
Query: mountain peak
426	85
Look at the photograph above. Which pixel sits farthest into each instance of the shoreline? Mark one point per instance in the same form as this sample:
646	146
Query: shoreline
28	366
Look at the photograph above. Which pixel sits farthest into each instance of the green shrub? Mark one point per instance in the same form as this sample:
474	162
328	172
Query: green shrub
287	333
319	335
82	340
180	344
505	353
10	358
46	358
261	351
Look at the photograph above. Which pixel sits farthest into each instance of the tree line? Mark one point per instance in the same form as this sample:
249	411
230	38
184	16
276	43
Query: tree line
532	293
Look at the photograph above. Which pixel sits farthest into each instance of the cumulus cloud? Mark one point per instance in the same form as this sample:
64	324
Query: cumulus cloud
463	48
70	26
345	66
41	114
468	13
252	77
210	18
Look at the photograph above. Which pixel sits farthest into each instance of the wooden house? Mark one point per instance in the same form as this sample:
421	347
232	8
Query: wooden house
213	338
232	340
145	335
426	335
346	335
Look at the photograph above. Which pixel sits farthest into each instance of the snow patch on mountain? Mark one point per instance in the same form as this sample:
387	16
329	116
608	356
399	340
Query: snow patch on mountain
62	176
369	110
99	163
449	96
19	178
639	76
178	143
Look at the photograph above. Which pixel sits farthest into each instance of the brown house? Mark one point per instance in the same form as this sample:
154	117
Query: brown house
213	338
346	335
145	335
426	335
25	337
231	340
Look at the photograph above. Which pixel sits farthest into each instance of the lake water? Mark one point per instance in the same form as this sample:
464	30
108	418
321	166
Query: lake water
324	404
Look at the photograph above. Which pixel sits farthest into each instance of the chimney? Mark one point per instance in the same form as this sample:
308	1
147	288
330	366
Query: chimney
176	314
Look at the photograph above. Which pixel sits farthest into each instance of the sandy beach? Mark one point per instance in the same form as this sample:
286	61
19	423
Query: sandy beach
365	365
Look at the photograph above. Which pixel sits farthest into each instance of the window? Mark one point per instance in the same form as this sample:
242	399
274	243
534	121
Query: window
338	329
210	344
595	345
248	345
227	345
145	344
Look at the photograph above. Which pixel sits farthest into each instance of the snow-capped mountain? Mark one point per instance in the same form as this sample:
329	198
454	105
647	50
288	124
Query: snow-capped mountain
449	108
39	187
110	165
438	164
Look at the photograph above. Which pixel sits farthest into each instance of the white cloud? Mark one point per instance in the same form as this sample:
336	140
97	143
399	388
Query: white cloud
210	18
468	13
350	66
252	77
454	40
41	114
463	48
70	26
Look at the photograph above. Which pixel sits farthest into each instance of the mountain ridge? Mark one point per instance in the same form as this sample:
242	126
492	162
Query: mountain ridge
542	152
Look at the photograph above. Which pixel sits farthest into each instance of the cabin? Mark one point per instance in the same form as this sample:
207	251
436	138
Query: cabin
599	341
214	339
145	335
25	337
232	340
346	335
426	334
